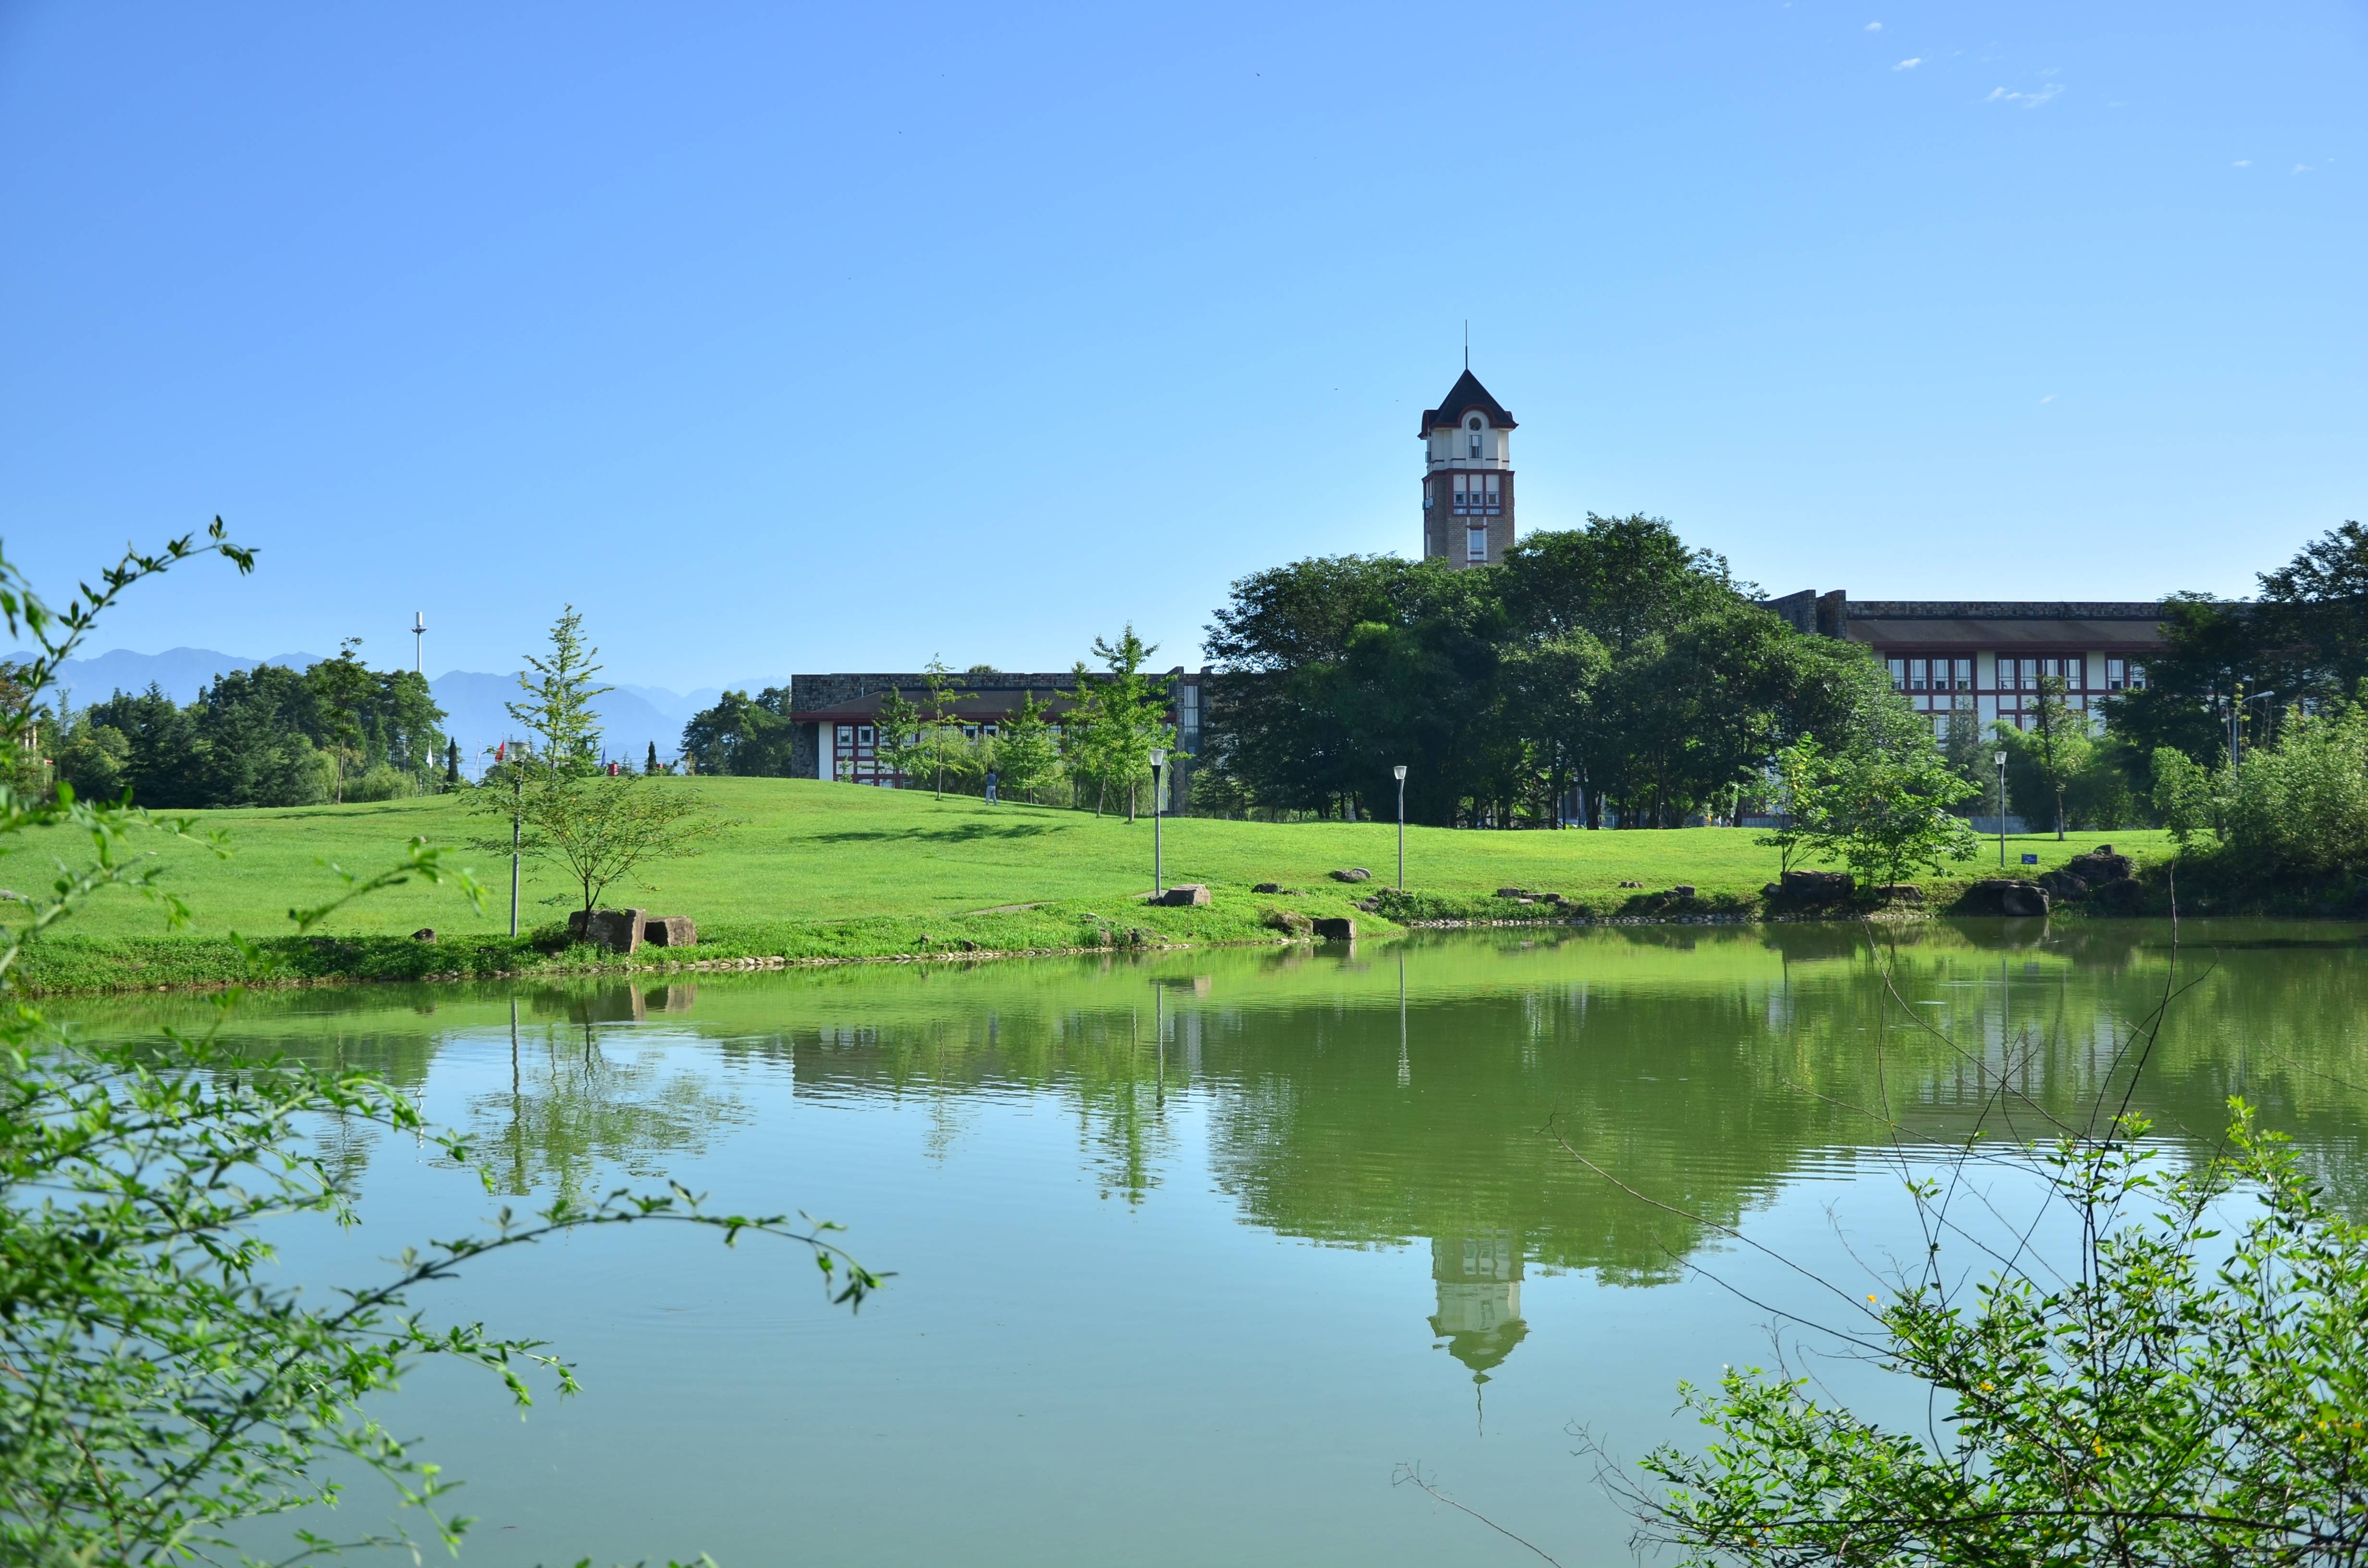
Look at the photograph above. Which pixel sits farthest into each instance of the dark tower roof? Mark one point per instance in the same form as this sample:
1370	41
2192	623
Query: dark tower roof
1465	395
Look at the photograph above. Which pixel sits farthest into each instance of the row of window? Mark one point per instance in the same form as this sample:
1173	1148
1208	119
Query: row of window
2014	674
1480	494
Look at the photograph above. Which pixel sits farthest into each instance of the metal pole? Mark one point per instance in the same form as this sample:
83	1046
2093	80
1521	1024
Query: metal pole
2001	805
418	642
1155	889
2236	707
1401	835
518	804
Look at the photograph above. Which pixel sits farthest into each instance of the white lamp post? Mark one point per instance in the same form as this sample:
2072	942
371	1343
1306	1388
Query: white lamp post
1398	773
2000	760
1158	765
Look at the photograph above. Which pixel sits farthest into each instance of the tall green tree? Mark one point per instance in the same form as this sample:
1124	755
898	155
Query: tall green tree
742	735
1121	717
941	735
899	734
1027	760
341	691
557	702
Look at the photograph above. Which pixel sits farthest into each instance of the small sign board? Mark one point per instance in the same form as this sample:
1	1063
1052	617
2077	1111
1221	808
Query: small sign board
2030	859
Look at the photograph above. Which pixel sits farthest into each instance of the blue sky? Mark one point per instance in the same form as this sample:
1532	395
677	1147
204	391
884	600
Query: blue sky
781	337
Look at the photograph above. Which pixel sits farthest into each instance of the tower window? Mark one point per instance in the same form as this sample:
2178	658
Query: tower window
1495	494
1426	495
1475	542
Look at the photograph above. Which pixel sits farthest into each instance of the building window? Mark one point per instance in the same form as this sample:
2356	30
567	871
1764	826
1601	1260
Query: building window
1898	674
863	734
2137	676
1965	674
1426	494
1496	494
1473	437
1917	679
1475	542
846	736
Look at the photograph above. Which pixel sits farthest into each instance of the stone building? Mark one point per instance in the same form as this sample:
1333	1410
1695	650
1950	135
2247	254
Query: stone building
1467	477
1984	658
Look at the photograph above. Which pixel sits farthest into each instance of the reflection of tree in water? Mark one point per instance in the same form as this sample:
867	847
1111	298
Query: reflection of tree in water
1108	1062
586	1098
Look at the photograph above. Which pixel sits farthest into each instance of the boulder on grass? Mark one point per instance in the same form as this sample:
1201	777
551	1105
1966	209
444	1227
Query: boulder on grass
1289	922
669	931
2064	883
1683	890
2004	896
1808	890
1335	928
425	934
1899	893
1513	892
1632	884
2099	865
613	930
1183	895
1353	874
1266	887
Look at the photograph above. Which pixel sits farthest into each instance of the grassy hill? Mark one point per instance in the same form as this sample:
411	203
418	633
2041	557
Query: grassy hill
810	869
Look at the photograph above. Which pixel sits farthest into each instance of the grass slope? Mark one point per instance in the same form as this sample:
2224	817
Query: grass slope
812	870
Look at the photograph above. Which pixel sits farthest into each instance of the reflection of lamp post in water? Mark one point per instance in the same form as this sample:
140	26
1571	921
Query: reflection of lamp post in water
1405	1069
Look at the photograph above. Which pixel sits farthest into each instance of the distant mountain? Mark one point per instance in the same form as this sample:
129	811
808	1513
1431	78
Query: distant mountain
181	672
632	716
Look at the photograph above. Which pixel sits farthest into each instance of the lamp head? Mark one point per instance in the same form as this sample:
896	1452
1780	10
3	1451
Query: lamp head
1158	758
1999	759
1398	773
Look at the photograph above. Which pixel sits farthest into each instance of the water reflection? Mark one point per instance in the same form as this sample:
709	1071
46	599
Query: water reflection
1400	1100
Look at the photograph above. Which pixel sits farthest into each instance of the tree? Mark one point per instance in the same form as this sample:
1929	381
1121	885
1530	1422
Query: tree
562	807
1800	770
943	731
1881	805
742	735
451	763
340	689
558	707
2057	746
1121	717
1025	755
897	734
2183	796
2140	1402
601	828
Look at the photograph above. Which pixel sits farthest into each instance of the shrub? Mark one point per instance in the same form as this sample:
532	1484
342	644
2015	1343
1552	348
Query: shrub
2302	804
382	783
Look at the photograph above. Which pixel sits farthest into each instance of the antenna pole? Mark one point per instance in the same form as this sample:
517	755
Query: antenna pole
418	642
1467	343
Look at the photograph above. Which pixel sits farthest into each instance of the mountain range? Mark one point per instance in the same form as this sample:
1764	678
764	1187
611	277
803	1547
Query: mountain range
633	718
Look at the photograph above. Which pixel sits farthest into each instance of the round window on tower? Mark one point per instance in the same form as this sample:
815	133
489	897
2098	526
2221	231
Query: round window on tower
1473	437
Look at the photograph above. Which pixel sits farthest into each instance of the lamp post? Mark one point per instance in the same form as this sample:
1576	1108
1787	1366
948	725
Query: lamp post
2000	760
1158	765
1398	773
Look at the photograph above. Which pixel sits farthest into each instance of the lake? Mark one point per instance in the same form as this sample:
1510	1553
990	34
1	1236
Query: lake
1195	1254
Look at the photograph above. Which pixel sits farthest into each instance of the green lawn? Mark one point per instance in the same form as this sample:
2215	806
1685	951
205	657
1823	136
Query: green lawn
803	851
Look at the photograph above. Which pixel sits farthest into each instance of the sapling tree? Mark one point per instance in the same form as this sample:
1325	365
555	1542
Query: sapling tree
943	731
1121	717
595	828
897	740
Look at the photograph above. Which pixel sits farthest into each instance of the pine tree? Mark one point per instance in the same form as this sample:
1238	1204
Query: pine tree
651	767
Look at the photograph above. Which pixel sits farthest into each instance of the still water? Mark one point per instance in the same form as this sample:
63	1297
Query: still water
1194	1253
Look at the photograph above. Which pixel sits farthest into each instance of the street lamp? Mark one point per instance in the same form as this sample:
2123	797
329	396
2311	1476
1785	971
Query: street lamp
1398	773
2000	760
1159	762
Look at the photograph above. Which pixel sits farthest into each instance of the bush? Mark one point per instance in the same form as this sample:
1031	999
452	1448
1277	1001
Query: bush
382	783
2302	804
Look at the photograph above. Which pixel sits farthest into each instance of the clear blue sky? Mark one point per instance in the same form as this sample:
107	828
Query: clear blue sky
831	338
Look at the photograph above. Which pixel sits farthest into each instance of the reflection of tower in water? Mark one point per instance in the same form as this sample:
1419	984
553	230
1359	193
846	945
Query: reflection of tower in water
1479	1280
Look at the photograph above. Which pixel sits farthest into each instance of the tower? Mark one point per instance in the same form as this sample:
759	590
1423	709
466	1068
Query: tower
1467	477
